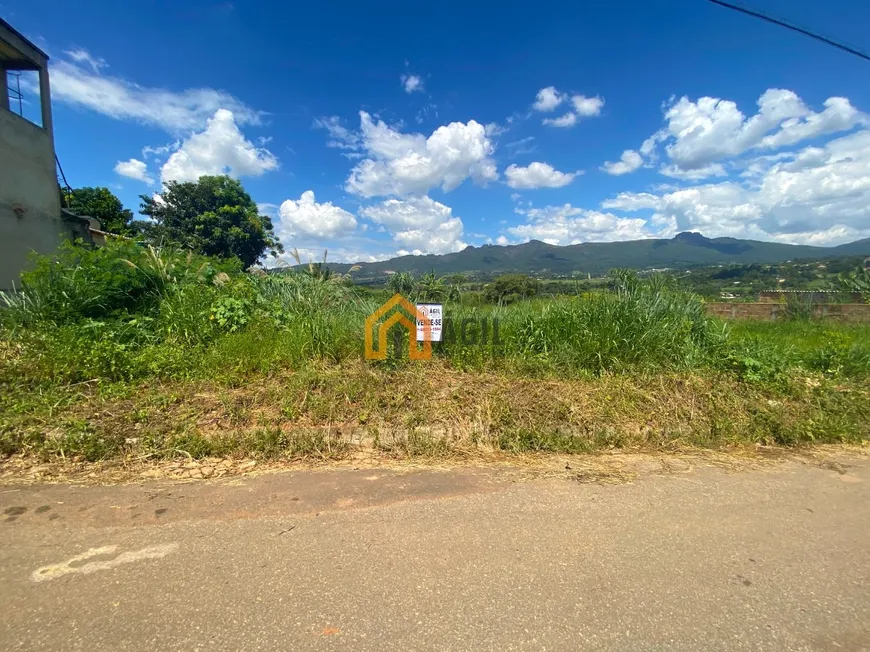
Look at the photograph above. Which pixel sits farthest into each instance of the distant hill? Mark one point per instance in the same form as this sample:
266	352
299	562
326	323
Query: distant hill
683	250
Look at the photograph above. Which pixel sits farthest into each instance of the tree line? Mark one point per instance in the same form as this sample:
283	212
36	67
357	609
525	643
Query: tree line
213	216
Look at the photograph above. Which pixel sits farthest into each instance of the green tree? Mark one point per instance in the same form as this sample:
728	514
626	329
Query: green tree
213	216
401	283
106	207
511	287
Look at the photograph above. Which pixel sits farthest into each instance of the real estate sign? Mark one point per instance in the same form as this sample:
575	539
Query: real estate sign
434	314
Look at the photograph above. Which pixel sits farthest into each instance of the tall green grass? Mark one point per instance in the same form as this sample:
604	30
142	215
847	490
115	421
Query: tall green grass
638	326
125	312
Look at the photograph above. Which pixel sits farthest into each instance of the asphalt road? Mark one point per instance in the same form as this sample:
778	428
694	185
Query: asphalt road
772	559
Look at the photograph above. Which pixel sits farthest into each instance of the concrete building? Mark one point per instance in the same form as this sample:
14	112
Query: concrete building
31	217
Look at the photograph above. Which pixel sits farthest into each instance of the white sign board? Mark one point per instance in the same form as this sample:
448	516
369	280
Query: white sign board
434	314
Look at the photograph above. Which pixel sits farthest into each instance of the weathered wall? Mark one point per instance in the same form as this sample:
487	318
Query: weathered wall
30	218
816	296
849	312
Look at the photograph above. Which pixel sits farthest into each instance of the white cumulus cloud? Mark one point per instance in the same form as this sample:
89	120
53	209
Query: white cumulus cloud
628	162
419	224
134	169
567	225
587	107
700	136
818	195
306	217
537	175
412	164
548	99
712	129
220	149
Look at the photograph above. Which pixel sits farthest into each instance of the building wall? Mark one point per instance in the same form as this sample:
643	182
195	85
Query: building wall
30	217
848	312
815	296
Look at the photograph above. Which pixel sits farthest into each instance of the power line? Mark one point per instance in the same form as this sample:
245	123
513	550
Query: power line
794	28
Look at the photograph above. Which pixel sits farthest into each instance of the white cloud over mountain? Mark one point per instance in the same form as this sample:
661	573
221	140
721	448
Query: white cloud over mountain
419	224
818	195
412	164
305	217
567	224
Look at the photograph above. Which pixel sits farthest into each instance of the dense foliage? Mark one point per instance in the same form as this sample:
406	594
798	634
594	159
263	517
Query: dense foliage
427	288
103	205
510	288
213	216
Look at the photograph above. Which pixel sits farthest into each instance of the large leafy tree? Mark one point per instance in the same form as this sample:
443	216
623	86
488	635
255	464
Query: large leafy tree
213	216
511	287
105	206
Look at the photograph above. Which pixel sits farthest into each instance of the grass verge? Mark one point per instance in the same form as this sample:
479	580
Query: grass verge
426	411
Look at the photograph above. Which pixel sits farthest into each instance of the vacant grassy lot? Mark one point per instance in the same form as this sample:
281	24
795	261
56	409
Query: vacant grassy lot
126	351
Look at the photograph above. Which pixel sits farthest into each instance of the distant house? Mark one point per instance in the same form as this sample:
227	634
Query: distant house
31	217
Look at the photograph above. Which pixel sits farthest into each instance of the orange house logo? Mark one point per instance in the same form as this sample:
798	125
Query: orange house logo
399	303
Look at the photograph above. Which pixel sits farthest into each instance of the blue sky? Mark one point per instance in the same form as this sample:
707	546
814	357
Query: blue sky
407	127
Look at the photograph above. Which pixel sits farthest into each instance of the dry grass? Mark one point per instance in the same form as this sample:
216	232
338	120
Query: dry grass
430	412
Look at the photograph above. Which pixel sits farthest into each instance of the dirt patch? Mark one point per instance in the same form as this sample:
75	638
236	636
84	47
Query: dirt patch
610	467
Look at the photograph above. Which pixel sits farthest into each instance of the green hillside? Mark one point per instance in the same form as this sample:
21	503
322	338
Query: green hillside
535	257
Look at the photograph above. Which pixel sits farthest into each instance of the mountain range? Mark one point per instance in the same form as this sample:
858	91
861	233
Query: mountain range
688	249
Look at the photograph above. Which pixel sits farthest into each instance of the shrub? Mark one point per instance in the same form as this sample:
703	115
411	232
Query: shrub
122	278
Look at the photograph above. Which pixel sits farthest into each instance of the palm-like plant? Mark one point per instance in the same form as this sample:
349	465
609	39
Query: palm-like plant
319	271
431	288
